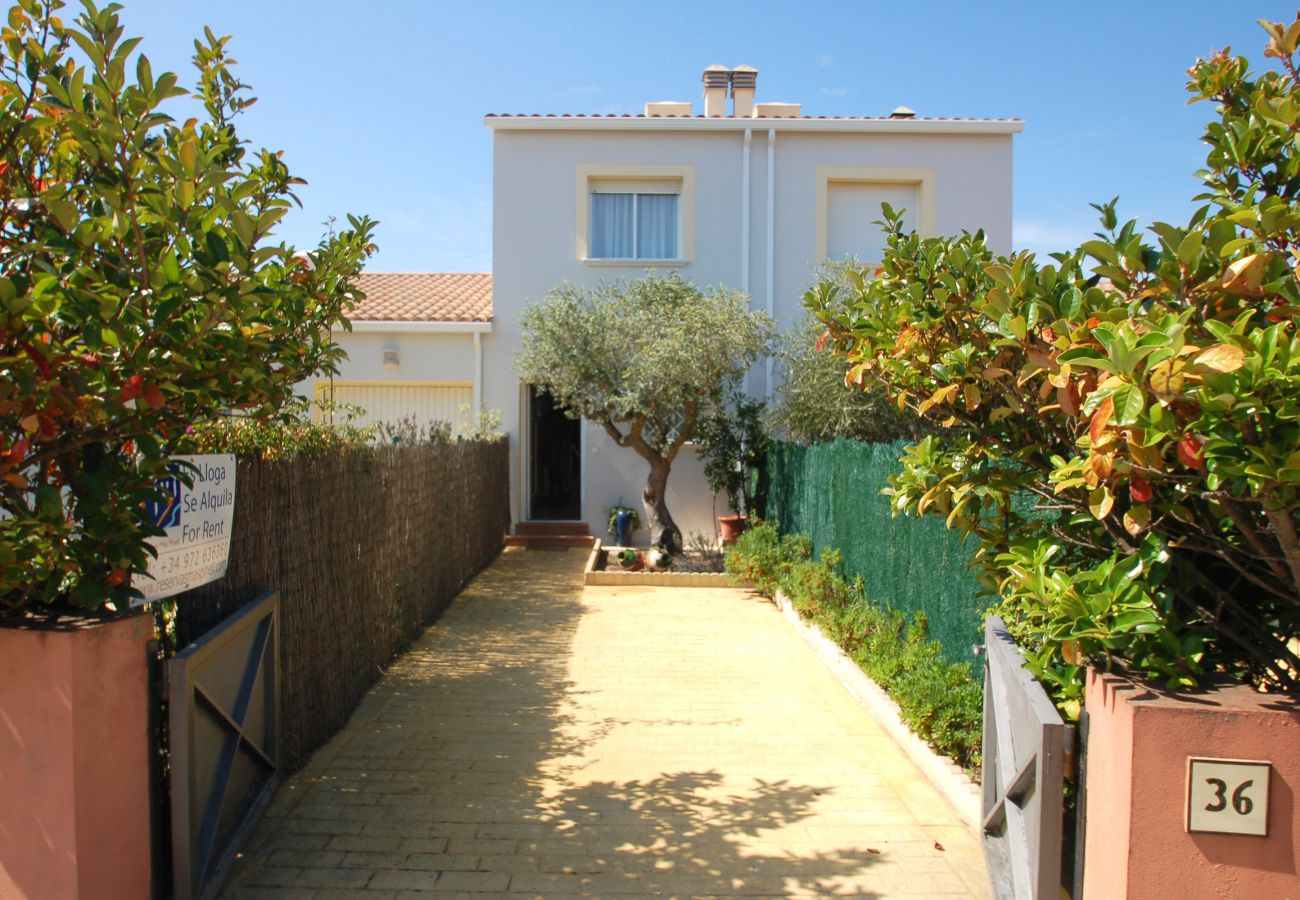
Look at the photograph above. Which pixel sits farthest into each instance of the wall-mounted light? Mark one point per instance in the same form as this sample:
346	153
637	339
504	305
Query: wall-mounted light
392	357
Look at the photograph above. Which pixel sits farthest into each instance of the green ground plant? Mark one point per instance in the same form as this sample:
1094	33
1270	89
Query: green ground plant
141	291
1122	422
940	701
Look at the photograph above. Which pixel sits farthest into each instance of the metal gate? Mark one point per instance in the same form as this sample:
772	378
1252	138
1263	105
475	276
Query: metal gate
224	717
1025	757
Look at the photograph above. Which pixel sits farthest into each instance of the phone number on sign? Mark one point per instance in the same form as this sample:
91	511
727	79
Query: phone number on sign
190	559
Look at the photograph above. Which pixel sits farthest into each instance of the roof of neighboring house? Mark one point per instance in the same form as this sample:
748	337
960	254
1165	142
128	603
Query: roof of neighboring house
424	297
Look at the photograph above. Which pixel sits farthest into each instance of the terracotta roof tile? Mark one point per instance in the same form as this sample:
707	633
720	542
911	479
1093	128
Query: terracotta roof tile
424	297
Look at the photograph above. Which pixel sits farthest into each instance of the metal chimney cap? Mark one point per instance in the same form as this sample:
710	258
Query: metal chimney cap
717	75
902	112
743	77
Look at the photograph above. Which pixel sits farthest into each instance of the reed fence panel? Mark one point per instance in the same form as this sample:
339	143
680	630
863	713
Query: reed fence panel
365	547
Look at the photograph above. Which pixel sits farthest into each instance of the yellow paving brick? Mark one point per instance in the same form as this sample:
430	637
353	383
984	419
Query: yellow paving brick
542	739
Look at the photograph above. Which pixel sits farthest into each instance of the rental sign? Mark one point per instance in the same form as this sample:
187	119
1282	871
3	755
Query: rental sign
198	521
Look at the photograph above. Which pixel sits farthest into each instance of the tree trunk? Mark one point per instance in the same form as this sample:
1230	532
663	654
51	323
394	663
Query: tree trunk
663	530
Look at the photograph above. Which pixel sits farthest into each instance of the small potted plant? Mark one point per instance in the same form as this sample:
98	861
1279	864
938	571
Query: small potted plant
659	559
623	520
628	559
733	446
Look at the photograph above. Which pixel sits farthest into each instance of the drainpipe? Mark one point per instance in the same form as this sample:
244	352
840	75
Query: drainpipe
744	213
771	241
476	400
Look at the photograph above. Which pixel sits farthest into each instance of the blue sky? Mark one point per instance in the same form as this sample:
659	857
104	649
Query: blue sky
379	105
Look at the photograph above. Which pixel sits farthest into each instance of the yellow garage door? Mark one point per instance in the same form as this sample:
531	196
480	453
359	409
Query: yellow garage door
391	401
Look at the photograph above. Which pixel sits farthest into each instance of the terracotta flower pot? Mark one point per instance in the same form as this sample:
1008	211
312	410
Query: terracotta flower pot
629	560
732	527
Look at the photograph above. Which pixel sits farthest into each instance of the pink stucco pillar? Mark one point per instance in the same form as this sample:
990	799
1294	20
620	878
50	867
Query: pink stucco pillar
74	761
1139	741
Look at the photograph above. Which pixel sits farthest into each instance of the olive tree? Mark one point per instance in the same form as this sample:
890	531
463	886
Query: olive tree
646	360
140	291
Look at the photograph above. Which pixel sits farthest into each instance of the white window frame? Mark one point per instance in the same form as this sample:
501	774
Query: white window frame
921	179
679	177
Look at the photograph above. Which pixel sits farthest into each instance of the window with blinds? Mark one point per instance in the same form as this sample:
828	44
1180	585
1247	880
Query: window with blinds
634	220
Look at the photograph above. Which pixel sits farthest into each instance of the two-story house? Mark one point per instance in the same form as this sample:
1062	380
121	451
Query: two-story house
750	195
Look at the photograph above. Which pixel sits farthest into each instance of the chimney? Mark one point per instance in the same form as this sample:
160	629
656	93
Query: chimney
743	81
716	79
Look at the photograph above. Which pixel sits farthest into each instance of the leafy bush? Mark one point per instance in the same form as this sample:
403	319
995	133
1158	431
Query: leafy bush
1123	421
812	403
409	430
940	701
762	556
140	292
733	446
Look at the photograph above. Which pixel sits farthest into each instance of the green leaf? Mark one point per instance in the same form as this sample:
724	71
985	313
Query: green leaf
1128	404
1190	247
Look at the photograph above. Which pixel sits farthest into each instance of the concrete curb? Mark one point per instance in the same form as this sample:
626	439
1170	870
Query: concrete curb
948	779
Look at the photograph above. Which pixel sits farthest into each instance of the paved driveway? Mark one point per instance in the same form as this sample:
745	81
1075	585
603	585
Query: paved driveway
545	739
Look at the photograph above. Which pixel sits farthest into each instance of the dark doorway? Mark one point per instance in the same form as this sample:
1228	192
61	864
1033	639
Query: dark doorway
554	460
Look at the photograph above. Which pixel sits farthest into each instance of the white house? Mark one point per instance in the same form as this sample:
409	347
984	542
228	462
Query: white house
754	197
415	348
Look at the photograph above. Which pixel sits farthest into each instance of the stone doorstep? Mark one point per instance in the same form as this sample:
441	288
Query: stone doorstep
962	793
619	578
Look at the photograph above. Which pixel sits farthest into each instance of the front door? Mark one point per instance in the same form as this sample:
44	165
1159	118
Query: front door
554	460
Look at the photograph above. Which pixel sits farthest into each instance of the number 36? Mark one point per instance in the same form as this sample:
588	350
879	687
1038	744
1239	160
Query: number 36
1241	804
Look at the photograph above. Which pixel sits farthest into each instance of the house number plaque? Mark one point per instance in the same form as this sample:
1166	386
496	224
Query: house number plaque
1227	796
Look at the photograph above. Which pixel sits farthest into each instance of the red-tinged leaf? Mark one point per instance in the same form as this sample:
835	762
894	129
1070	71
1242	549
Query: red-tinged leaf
1191	453
153	397
1100	419
1139	489
938	846
38	357
134	385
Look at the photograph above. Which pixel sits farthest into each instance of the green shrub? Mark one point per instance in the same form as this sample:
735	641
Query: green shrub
142	290
761	556
940	701
812	404
1143	390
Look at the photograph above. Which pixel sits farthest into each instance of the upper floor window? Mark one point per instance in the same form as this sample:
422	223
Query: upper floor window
636	214
631	221
848	207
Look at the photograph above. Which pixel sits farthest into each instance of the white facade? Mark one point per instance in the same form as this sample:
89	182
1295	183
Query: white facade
426	371
762	202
